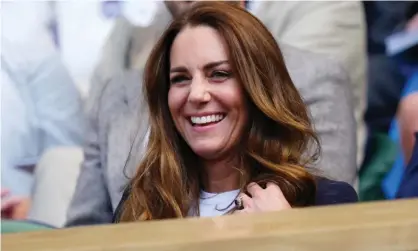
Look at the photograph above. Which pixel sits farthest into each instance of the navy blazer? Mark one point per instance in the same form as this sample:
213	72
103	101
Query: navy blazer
328	192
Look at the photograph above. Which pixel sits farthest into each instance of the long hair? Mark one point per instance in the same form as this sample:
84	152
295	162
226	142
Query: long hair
279	139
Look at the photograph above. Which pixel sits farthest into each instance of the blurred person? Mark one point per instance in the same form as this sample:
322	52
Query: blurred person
408	111
409	184
40	109
333	28
15	208
226	124
405	125
118	125
403	134
385	79
407	117
408	121
393	80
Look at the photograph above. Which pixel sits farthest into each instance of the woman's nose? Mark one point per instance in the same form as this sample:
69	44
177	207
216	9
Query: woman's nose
199	91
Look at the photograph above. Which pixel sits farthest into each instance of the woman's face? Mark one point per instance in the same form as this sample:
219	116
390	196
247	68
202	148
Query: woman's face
206	101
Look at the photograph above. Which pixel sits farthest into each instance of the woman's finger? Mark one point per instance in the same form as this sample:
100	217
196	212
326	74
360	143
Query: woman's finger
273	188
254	189
274	191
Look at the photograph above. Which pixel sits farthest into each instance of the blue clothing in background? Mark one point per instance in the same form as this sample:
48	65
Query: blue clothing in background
393	179
409	185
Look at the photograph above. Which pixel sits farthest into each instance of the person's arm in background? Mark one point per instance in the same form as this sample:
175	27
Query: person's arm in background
50	95
408	123
409	185
330	102
57	121
333	28
45	88
60	117
91	203
408	107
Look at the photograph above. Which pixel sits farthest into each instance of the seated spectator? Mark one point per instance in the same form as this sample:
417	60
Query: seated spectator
114	134
391	81
403	133
385	80
332	28
225	125
41	108
406	123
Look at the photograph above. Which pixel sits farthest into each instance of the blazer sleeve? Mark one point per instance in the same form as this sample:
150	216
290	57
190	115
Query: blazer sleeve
331	192
91	202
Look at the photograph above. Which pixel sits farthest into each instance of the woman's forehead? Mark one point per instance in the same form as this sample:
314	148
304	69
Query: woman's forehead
198	45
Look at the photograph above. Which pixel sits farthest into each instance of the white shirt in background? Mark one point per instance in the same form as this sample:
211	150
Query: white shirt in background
41	107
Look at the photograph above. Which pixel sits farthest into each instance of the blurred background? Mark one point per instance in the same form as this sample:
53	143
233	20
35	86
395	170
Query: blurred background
51	49
78	28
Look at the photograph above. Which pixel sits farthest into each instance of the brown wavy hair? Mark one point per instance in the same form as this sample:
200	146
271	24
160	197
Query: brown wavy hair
277	146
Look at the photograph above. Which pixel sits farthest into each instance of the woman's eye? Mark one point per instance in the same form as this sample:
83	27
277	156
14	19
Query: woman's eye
220	75
178	79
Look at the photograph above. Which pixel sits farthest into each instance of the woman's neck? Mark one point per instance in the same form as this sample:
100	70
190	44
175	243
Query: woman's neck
220	176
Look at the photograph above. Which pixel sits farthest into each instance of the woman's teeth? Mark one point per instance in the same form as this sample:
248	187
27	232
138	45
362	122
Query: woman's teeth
207	119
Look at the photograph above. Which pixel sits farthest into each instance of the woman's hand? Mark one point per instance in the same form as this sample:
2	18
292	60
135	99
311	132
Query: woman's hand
262	200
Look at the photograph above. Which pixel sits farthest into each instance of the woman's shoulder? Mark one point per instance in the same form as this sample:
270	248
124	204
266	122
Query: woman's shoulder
334	192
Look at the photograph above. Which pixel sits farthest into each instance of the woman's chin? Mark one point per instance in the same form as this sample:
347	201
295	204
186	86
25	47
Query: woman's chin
207	153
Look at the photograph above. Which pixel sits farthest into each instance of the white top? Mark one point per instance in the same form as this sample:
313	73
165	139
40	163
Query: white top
216	204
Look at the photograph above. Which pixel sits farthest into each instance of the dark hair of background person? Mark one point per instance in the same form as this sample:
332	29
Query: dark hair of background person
274	147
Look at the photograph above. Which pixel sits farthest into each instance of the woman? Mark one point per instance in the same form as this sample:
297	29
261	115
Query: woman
227	124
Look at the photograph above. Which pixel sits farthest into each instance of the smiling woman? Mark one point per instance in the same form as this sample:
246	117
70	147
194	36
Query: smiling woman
227	124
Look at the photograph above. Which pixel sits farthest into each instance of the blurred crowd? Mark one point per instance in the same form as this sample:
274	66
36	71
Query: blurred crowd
70	79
